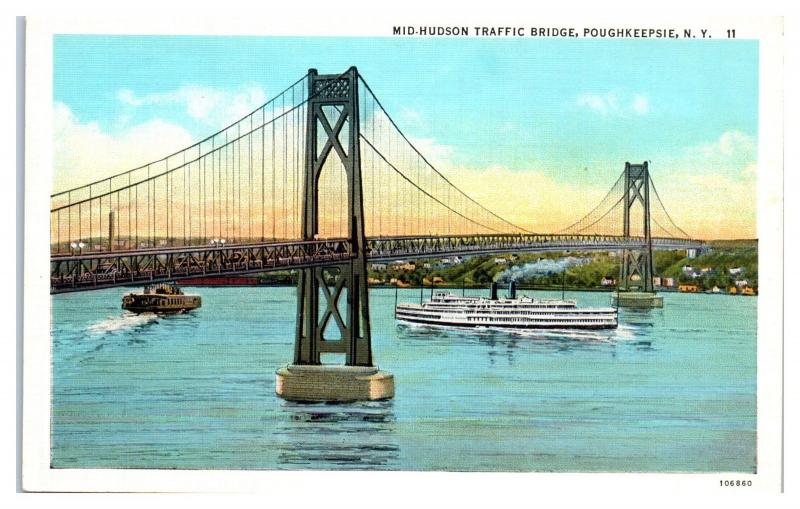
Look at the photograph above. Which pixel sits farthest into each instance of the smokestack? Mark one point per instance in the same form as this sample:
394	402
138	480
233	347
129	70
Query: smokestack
512	290
494	291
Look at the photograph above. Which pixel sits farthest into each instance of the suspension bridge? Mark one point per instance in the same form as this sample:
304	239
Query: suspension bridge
319	179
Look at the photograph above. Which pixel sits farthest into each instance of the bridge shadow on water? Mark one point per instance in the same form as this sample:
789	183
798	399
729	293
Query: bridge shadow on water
353	436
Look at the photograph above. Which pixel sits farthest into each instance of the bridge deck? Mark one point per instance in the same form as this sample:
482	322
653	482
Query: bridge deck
105	269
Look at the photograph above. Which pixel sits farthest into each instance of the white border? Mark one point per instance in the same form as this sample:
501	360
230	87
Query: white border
37	476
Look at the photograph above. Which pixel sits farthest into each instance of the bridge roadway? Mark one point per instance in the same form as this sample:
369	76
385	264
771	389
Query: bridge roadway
105	269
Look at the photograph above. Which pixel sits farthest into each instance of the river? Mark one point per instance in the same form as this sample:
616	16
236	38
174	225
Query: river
672	389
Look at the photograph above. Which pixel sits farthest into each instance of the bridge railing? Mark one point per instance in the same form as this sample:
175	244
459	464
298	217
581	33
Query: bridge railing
403	247
94	270
120	268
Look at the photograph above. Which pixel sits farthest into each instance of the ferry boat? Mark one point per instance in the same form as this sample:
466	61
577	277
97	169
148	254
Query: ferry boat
160	298
450	310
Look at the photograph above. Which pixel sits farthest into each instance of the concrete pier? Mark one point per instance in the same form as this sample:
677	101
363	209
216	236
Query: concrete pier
639	300
333	383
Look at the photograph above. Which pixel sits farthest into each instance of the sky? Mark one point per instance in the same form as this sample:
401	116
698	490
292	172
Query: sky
549	122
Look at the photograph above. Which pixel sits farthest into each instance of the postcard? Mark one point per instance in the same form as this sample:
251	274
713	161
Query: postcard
258	254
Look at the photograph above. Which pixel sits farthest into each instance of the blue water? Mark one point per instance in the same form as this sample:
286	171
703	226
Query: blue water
670	390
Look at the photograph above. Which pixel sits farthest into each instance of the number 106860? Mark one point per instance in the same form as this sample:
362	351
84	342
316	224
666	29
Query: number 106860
735	483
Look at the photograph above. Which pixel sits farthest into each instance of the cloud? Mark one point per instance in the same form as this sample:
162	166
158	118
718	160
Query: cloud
614	103
734	154
732	147
411	119
711	206
84	153
707	199
211	106
711	189
640	104
433	151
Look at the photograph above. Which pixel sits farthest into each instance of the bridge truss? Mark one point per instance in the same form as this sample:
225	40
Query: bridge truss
320	179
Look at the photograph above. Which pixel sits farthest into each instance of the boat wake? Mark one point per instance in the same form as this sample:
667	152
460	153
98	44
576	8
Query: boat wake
125	321
621	333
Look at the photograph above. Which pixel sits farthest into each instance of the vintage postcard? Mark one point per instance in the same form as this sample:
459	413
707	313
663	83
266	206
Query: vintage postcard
510	246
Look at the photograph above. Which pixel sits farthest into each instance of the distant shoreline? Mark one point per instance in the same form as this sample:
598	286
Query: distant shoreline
453	288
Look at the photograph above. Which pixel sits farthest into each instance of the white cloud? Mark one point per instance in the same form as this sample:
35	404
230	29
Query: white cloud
614	103
211	106
706	198
411	119
84	153
640	104
597	103
710	188
734	154
730	146
433	151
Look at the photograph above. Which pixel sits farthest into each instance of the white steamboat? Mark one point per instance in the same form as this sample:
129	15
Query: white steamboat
447	309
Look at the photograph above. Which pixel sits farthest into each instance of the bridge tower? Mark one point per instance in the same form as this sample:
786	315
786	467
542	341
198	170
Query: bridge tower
332	300
636	279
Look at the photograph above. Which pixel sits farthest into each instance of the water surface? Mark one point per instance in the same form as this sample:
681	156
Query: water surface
670	390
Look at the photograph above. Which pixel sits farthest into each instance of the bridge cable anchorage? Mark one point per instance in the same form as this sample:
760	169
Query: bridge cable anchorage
428	163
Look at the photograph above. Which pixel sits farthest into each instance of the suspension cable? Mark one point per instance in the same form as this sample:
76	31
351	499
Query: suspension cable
378	102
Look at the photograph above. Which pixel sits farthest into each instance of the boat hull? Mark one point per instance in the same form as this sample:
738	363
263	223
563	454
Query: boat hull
448	310
530	326
162	305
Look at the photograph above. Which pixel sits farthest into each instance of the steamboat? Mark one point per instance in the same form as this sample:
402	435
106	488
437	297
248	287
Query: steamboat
160	298
450	310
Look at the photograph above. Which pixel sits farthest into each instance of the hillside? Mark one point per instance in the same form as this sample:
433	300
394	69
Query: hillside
580	270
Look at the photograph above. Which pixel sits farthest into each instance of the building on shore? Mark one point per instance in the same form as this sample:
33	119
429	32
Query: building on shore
404	265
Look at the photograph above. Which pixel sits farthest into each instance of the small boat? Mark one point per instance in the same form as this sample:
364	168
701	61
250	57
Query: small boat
160	298
450	310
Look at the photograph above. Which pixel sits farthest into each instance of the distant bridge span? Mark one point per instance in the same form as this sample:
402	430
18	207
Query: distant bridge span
106	269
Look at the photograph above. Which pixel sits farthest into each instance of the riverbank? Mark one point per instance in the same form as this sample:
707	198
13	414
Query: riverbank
728	264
